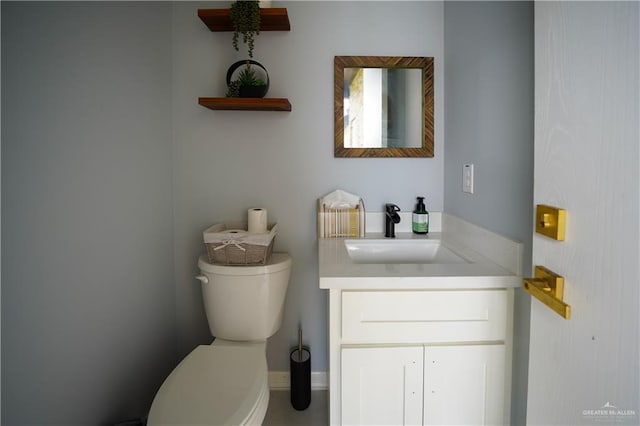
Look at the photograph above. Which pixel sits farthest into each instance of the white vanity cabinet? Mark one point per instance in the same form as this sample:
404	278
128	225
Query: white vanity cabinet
412	357
421	342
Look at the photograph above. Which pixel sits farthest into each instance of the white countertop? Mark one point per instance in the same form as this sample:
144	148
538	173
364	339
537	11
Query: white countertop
497	267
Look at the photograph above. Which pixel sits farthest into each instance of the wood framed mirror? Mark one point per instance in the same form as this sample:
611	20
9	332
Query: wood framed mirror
383	106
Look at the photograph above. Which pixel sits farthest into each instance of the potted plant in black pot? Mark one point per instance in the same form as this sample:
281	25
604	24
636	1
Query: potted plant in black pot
247	84
245	16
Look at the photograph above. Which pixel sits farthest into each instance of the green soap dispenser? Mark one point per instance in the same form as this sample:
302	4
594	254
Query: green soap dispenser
420	222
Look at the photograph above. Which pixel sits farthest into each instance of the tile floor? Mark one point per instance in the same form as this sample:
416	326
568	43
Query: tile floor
281	413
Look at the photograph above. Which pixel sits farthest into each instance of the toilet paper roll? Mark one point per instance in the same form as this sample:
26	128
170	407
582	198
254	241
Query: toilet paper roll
257	219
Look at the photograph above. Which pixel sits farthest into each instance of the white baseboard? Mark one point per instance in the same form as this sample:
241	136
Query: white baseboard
281	380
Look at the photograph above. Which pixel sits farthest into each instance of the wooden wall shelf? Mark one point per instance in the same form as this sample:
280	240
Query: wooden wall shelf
246	104
271	19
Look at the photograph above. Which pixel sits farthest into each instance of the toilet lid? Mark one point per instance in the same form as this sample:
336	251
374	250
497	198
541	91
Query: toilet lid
277	262
213	385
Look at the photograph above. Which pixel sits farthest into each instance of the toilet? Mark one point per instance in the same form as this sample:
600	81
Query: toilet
225	383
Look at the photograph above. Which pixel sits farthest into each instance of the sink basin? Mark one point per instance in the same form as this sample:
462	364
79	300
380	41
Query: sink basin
400	251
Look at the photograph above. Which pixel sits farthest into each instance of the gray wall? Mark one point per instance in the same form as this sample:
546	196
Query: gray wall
226	161
88	301
489	122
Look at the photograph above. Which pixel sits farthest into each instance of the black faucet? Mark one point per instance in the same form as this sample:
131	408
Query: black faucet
391	217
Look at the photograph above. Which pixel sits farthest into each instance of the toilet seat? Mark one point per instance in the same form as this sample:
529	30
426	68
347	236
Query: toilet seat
225	383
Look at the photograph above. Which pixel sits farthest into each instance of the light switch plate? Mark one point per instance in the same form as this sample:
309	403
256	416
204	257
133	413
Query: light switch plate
467	178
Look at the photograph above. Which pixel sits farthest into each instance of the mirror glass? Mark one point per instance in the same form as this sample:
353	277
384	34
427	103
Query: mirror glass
383	106
380	108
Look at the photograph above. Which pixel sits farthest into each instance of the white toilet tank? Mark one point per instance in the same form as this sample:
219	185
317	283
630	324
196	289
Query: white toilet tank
245	303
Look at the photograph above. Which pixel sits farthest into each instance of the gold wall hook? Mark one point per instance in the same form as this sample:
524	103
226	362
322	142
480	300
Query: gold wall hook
548	287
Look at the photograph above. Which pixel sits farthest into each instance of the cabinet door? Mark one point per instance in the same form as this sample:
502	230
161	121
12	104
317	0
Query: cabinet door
382	386
464	385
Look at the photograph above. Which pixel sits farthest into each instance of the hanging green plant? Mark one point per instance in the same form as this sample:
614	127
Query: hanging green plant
245	16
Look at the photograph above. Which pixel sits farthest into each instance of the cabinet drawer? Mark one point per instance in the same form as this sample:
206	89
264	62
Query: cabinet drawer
424	316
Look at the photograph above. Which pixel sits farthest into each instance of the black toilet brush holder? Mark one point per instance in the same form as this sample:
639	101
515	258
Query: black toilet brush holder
300	365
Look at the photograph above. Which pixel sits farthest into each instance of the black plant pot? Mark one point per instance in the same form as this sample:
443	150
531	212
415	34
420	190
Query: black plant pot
253	91
249	91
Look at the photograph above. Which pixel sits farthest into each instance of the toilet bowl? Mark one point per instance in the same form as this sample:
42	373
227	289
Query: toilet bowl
225	383
218	384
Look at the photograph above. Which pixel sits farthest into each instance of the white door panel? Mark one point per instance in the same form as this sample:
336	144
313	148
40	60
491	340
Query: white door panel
586	161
